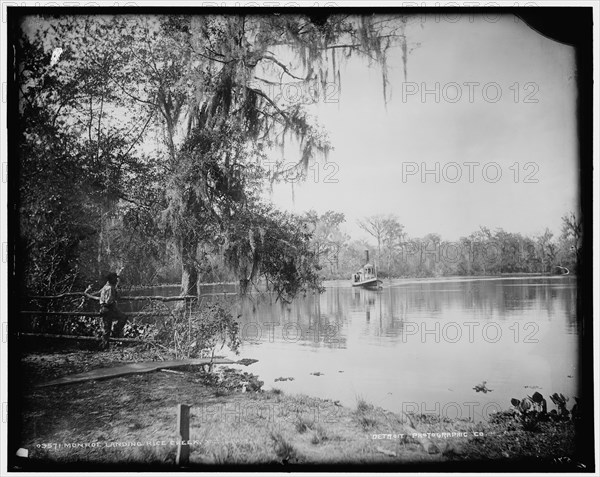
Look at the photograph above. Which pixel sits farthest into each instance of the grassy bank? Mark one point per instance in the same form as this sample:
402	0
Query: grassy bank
131	420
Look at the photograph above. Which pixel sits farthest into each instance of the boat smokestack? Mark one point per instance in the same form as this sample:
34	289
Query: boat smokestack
366	256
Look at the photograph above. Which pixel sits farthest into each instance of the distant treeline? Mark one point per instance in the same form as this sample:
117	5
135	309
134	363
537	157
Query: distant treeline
483	252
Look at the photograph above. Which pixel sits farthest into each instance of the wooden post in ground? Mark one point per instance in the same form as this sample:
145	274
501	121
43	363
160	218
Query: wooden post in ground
183	430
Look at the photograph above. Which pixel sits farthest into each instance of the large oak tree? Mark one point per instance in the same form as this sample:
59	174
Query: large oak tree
179	114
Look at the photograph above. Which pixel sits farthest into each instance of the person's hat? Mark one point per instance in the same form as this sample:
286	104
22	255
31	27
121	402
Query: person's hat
112	277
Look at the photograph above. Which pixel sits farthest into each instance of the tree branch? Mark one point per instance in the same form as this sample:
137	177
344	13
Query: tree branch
282	66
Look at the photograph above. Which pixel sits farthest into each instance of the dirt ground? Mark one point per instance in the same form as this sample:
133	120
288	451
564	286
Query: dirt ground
131	422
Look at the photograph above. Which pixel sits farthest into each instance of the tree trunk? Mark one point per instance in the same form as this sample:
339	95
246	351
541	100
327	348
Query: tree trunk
389	262
100	240
189	279
189	269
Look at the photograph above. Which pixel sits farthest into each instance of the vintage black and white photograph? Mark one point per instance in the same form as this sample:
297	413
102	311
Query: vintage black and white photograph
301	237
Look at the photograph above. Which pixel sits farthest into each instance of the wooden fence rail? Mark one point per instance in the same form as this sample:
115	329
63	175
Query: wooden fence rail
80	337
90	313
135	298
121	298
95	314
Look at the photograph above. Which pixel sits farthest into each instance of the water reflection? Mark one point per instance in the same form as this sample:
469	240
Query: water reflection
414	342
315	319
425	340
536	298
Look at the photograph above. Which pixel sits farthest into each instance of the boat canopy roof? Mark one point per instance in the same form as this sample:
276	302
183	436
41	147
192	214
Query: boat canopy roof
364	267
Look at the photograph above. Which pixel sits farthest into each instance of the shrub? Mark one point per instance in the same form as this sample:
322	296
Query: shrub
202	329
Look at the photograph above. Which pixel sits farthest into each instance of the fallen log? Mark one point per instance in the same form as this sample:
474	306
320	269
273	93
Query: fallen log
130	368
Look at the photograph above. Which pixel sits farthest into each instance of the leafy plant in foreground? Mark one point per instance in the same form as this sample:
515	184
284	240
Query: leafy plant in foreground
532	410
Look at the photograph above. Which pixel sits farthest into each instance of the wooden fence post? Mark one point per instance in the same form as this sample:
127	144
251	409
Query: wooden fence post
183	429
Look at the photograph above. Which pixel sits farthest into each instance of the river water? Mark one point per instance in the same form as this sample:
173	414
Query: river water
419	345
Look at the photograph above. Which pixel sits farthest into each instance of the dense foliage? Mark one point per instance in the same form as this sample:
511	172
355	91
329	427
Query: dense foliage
142	140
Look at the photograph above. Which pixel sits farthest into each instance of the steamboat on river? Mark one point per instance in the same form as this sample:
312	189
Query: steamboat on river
366	277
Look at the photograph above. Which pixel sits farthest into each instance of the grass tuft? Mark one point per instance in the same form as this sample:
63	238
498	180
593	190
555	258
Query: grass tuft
222	455
320	435
303	424
362	405
366	422
364	412
283	448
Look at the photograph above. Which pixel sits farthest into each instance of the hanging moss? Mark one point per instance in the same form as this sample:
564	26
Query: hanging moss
221	103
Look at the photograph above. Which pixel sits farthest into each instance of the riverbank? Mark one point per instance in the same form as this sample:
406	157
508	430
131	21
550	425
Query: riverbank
131	421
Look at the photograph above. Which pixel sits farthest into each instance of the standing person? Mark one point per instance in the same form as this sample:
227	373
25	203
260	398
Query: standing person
109	309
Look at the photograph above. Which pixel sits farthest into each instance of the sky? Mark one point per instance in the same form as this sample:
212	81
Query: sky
517	118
